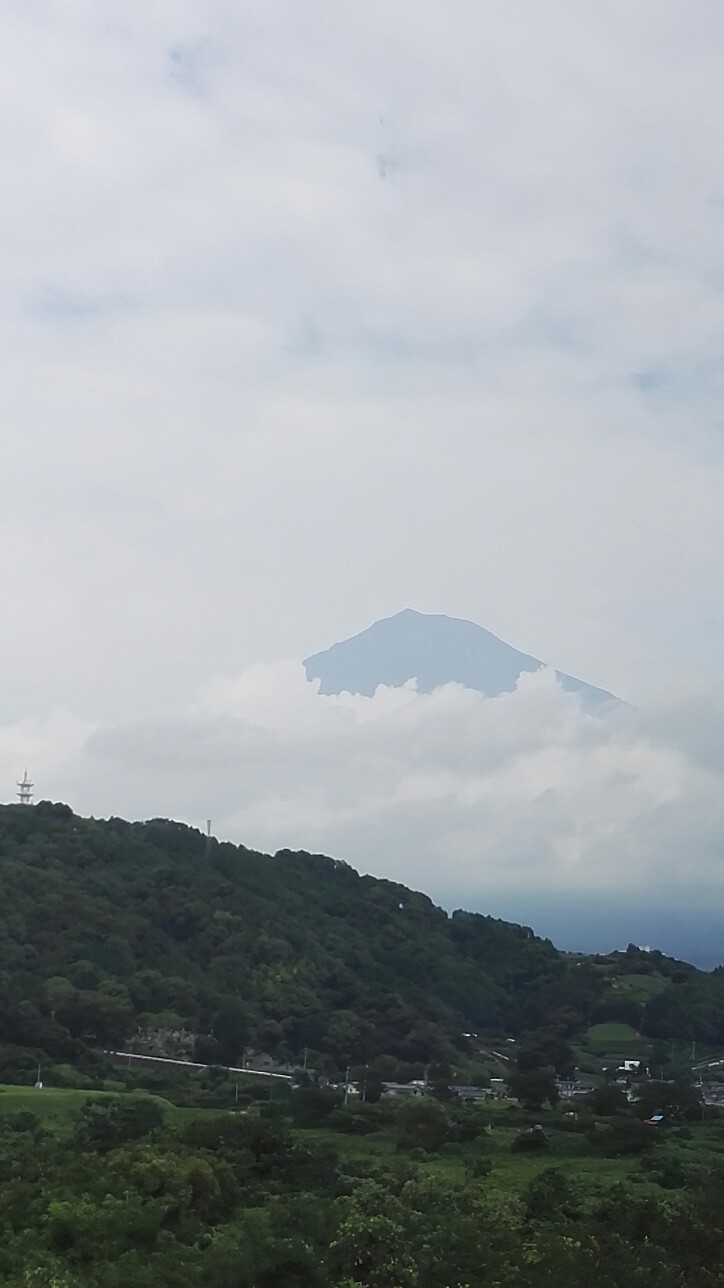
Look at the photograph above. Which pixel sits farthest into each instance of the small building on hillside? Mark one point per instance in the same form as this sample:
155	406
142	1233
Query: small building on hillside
499	1088
573	1088
474	1093
400	1089
712	1093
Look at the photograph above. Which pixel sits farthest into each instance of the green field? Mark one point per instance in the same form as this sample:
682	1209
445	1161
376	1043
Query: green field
57	1109
589	1172
514	1171
616	1040
638	988
510	1169
58	1106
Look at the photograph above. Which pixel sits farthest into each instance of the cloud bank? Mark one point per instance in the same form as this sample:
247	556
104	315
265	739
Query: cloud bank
595	829
311	312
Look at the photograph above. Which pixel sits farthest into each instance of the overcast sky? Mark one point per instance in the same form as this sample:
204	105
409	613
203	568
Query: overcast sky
314	311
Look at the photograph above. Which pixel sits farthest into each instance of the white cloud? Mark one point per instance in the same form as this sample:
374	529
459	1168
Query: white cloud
486	802
257	396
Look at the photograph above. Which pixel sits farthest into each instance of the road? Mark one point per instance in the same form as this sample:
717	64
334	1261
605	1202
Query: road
132	1057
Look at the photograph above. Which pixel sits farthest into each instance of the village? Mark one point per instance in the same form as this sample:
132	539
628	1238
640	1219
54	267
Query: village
173	1049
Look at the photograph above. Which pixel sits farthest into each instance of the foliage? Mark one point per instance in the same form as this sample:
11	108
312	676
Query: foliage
624	1136
550	1194
535	1088
239	1201
677	1100
110	926
608	1100
423	1123
544	1050
105	1123
530	1141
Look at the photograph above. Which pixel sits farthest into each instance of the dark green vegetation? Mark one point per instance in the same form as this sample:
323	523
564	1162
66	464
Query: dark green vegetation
121	1191
109	926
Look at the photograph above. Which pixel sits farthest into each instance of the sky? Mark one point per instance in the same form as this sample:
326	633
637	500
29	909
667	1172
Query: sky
313	312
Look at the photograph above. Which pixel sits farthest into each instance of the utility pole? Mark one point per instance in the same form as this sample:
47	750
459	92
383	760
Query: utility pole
346	1085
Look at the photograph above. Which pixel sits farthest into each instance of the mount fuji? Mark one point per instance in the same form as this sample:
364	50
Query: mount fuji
433	650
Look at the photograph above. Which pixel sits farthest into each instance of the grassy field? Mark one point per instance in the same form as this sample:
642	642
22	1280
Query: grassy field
703	1147
616	1040
509	1169
703	1143
638	988
58	1106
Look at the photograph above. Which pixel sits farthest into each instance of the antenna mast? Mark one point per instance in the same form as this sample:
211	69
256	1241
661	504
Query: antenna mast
25	792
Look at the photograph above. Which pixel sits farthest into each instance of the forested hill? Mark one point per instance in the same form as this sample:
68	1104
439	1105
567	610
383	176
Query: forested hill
107	927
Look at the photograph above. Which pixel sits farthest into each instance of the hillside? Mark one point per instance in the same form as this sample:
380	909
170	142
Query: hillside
434	650
111	926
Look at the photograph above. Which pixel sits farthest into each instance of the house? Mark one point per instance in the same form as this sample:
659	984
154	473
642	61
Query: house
499	1088
473	1093
349	1088
712	1093
403	1088
573	1088
622	1074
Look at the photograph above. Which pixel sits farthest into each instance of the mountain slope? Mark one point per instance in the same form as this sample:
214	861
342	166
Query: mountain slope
137	923
108	926
434	650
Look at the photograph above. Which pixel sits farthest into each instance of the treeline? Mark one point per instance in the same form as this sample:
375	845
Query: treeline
107	927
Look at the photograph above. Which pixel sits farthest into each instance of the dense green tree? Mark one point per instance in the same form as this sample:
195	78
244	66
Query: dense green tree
550	1194
230	1030
372	1247
542	1050
608	1100
535	1088
624	1136
312	1104
105	1123
422	1123
676	1100
531	1141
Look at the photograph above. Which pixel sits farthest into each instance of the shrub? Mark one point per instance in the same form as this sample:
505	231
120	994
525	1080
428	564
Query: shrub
528	1142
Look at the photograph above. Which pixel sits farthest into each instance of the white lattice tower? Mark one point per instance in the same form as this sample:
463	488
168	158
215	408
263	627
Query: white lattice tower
25	790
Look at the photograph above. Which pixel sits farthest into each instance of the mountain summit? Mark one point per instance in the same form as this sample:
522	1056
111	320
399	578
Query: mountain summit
434	650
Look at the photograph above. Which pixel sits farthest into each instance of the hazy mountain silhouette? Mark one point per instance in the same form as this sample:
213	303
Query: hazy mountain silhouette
434	650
